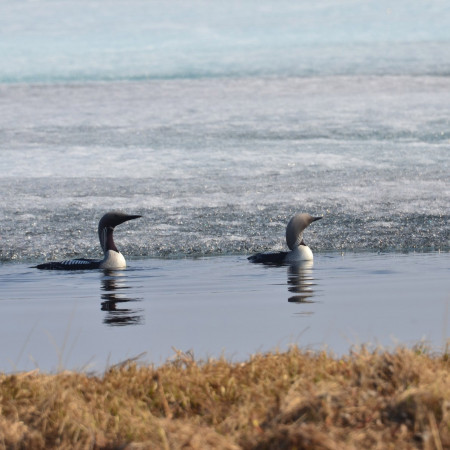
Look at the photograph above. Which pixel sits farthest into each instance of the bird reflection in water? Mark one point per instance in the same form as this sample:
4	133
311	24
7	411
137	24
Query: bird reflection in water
113	300
300	282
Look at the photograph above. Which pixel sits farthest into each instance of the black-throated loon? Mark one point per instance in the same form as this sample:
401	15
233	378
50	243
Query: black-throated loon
299	251
113	259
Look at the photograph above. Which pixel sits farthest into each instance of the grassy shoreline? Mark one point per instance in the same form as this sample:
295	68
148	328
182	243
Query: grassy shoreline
295	399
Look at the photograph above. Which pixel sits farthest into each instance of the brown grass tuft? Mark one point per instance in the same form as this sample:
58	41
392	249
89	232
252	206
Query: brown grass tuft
291	400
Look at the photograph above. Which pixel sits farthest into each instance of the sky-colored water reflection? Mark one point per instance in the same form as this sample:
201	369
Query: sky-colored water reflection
220	305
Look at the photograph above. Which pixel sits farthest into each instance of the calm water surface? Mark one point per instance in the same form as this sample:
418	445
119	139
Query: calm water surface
220	305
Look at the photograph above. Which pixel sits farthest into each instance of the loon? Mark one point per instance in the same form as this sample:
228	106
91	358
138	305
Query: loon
113	259
299	251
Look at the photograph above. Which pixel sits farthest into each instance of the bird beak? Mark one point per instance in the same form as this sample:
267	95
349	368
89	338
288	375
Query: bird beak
132	217
316	218
126	219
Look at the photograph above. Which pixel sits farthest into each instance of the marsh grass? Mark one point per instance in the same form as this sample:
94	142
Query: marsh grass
293	400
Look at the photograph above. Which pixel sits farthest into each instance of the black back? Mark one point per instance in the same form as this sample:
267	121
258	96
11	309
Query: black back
71	264
274	258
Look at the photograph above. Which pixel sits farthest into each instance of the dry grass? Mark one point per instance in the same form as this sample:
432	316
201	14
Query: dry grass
290	400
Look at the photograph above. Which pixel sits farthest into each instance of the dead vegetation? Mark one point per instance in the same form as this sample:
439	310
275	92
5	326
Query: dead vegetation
290	400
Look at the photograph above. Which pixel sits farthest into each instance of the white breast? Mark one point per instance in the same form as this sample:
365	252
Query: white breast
300	253
113	260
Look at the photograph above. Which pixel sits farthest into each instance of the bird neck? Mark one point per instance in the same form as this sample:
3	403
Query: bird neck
107	239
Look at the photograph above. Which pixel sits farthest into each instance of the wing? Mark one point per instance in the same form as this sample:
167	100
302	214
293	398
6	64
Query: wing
268	258
71	264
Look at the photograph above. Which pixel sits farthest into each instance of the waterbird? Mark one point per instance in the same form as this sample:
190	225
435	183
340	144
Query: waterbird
112	259
299	251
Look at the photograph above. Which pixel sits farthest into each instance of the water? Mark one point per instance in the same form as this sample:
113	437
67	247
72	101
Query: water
221	306
218	121
223	164
57	41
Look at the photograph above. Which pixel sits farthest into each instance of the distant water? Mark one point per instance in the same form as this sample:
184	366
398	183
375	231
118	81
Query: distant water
109	40
218	120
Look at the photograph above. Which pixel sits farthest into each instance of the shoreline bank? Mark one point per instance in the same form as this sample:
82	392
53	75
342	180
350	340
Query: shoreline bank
292	399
